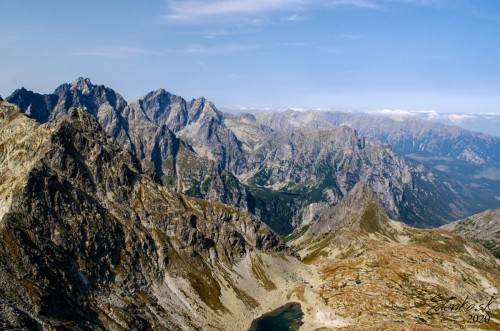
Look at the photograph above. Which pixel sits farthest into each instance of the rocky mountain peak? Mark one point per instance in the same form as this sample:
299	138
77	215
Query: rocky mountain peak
157	94
81	120
201	107
82	84
360	207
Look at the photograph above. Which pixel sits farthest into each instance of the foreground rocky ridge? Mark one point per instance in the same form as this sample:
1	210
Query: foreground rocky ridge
483	227
90	242
379	274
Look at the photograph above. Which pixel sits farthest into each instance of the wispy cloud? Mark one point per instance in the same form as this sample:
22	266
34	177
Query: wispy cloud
256	109
113	51
294	44
294	18
433	115
426	3
194	9
202	49
216	34
459	118
191	10
398	114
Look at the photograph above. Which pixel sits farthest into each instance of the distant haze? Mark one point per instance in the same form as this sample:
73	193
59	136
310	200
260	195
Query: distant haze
486	123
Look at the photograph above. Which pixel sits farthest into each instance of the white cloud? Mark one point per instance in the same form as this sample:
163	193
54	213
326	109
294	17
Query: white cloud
215	34
430	115
190	10
201	49
257	108
303	110
294	44
193	9
427	3
299	109
113	51
294	18
396	114
459	118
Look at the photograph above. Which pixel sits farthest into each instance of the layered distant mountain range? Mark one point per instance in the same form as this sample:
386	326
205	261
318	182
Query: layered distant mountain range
158	214
285	167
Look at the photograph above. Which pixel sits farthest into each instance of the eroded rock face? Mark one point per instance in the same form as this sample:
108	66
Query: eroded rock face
86	236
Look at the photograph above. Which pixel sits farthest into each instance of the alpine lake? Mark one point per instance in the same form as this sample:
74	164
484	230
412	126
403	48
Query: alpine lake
285	318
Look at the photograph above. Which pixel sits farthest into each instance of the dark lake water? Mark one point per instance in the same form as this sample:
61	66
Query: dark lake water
286	318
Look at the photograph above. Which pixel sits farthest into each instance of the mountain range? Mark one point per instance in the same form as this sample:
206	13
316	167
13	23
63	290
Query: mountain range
283	167
164	214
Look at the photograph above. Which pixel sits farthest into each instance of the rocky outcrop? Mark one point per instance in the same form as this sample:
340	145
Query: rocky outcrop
88	239
483	227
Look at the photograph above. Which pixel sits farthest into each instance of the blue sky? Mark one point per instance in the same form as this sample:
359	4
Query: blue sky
441	55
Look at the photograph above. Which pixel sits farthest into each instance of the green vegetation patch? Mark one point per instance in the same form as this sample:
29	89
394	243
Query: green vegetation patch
207	288
369	220
493	247
296	234
318	249
259	273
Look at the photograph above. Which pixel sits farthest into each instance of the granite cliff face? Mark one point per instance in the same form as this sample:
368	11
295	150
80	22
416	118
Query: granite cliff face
91	242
